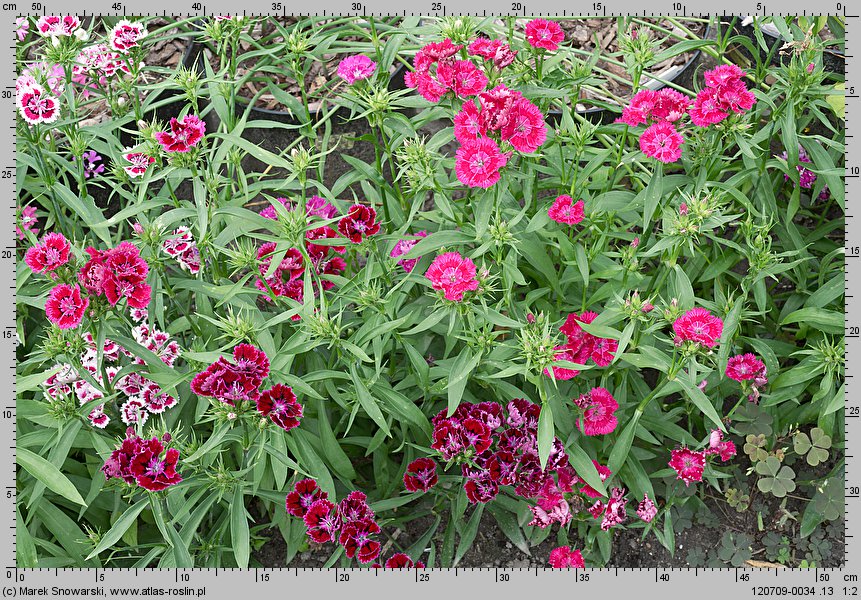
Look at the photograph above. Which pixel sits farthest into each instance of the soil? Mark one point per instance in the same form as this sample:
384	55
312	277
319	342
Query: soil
602	34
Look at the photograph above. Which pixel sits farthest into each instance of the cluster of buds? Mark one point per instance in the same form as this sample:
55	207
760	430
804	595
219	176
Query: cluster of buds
460	29
418	165
537	343
636	308
692	214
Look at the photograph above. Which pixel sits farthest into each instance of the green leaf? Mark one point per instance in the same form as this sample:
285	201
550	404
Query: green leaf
48	474
546	434
461	369
652	195
585	469
368	403
700	400
239	535
622	446
467	536
828	321
25	549
119	527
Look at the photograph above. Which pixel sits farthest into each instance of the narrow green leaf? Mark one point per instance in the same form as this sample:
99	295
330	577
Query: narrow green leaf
239	535
48	474
119	527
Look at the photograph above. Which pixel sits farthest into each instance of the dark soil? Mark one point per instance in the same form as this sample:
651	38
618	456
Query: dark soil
602	34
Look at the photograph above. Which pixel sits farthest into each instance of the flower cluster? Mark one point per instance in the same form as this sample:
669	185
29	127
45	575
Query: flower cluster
95	66
502	116
725	92
661	110
351	522
57	26
581	346
438	72
564	557
183	248
143	462
496	449
496	52
239	380
117	273
453	275
613	512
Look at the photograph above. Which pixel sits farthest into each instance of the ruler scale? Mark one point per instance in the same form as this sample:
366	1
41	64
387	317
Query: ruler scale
268	583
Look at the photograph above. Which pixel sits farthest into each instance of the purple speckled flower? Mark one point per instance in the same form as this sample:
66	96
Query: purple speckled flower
92	164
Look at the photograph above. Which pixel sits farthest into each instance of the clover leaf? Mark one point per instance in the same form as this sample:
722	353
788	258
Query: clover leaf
776	480
815	447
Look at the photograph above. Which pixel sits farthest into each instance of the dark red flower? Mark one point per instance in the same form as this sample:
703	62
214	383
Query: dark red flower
354	508
481	490
421	475
402	561
231	381
356	539
321	519
119	463
304	494
280	405
358	223
151	471
124	276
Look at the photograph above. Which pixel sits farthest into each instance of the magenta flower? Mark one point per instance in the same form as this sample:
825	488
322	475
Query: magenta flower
604	473
356	68
65	306
564	557
402	247
688	464
599	408
525	128
126	35
48	256
140	162
452	274
661	141
183	135
745	367
305	493
565	210
91	162
478	163
26	221
544	34
700	326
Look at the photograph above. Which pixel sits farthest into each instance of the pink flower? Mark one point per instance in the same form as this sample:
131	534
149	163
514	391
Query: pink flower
525	128
662	142
358	223
183	135
22	27
604	473
65	307
707	109
496	51
698	325
404	246
478	163
647	510
140	162
599	408
744	367
564	557
356	68
688	464
468	123
666	105
723	76
304	494
717	445
26	221
544	34
614	513
430	83
36	105
280	405
462	77
51	254
420	475
452	274
184	249
126	35
58	25
124	275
